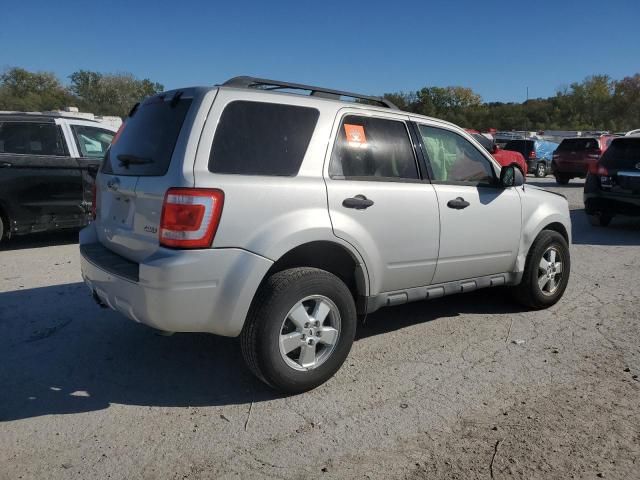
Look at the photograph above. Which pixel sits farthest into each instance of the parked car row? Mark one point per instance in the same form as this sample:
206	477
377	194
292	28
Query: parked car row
47	166
574	157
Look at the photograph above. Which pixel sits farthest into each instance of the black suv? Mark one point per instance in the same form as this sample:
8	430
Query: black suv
612	186
47	167
536	162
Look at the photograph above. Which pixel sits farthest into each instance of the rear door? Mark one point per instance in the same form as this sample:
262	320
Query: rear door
148	157
91	143
40	182
480	222
379	203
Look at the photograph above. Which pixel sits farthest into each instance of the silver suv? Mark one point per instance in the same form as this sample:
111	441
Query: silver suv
249	210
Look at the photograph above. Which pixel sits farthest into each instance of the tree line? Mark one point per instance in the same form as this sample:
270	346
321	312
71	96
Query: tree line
99	93
596	103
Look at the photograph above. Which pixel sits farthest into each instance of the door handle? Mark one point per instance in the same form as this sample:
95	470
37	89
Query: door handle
5	165
359	202
458	203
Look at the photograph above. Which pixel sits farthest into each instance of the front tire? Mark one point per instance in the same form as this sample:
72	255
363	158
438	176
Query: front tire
562	179
299	329
541	170
546	272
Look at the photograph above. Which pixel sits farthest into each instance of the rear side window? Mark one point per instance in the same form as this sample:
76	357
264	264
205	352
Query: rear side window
369	148
622	154
578	144
92	142
28	138
147	139
256	138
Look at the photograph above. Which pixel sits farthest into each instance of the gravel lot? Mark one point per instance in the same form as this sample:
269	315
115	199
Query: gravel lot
435	389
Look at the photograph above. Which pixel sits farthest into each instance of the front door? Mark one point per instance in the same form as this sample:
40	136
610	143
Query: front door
480	222
379	203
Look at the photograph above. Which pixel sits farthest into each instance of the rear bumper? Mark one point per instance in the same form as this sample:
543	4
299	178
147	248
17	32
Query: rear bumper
180	290
573	169
599	200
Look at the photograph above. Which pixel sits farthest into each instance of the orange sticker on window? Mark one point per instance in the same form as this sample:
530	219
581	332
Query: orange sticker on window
355	133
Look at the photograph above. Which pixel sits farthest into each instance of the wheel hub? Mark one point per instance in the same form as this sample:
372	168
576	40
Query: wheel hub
310	332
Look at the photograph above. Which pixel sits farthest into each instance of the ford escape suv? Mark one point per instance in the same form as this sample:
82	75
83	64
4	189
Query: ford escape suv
249	210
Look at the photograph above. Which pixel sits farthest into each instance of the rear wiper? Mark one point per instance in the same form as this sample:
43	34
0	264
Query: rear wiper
127	159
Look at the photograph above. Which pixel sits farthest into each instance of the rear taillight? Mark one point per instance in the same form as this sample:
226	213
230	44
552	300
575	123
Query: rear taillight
532	154
118	133
94	199
595	154
190	217
597	169
555	156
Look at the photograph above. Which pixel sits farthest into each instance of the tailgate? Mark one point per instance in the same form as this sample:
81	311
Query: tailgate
146	158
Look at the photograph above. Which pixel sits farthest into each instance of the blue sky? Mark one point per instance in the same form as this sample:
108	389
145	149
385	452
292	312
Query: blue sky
498	48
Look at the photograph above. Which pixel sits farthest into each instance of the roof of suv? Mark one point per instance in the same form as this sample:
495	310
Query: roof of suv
40	117
320	94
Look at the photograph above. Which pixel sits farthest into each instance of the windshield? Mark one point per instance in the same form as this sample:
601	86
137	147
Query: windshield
147	139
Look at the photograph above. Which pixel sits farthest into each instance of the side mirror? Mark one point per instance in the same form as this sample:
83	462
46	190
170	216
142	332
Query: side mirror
511	176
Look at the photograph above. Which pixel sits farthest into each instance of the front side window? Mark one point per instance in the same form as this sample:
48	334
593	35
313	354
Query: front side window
369	148
454	159
258	138
28	138
92	142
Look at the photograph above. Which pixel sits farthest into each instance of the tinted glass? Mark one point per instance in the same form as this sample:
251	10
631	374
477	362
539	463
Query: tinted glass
31	138
255	138
484	141
373	148
622	154
455	159
522	146
578	144
147	139
92	142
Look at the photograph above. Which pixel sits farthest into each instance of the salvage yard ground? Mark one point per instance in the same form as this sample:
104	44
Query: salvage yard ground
464	387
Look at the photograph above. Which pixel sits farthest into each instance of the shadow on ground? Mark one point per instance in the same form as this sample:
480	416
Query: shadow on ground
62	354
37	240
623	231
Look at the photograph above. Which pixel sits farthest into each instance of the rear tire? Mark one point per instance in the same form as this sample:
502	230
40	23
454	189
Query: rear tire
299	329
562	179
1	228
541	170
546	271
599	219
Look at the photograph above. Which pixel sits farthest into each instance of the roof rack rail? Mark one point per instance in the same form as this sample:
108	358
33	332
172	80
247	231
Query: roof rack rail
265	84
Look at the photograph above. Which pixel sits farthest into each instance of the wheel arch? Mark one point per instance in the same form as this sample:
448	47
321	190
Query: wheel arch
331	256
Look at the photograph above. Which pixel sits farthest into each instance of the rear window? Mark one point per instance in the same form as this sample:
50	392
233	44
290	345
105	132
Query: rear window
522	146
578	144
256	138
622	154
148	137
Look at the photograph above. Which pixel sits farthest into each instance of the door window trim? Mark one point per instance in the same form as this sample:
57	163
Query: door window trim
359	113
61	138
425	155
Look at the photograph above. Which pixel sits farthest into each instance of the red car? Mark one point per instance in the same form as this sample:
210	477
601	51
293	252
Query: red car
503	157
575	156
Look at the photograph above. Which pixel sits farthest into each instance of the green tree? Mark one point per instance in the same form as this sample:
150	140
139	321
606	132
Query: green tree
110	94
32	91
